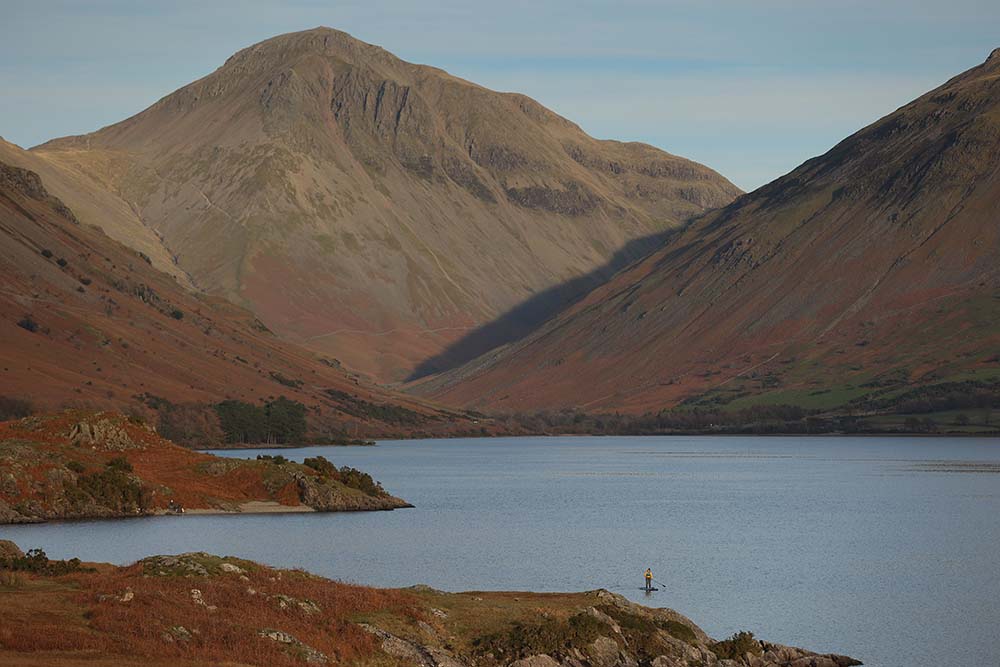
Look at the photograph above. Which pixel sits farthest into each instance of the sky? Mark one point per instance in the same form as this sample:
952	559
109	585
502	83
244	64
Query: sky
751	88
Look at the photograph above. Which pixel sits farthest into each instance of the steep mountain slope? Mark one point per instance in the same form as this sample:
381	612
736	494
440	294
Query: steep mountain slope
378	210
96	205
87	321
870	269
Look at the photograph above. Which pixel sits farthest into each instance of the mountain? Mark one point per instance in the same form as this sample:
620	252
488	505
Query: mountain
864	273
376	210
86	321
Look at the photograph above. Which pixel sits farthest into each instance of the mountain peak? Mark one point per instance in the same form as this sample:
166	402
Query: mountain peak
316	158
321	41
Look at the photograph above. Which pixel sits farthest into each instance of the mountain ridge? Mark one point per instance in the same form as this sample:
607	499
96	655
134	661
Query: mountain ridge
865	270
340	192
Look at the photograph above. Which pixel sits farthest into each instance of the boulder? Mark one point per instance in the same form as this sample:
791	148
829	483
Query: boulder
9	550
295	647
603	652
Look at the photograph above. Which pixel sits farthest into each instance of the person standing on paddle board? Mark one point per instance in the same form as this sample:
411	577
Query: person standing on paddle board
649	580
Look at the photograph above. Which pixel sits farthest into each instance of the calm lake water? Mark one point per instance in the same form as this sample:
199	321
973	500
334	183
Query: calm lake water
885	549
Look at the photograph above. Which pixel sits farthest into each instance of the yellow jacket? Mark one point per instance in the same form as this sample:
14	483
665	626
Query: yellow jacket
649	574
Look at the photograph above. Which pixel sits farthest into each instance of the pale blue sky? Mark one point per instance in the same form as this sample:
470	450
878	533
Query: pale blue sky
749	88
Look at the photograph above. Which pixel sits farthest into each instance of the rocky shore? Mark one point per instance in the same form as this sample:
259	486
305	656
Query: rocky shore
80	465
200	609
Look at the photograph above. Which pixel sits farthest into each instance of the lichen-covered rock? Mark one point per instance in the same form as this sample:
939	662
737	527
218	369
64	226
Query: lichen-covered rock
295	647
194	564
102	433
178	633
288	602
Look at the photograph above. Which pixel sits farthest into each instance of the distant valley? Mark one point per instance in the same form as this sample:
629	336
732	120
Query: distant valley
866	280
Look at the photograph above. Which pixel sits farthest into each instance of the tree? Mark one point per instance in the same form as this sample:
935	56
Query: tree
241	422
279	421
286	420
191	424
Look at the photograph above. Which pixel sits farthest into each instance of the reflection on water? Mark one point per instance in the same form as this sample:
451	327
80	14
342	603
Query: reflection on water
867	546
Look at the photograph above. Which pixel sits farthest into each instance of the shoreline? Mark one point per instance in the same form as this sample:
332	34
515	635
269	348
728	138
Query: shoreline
250	508
994	435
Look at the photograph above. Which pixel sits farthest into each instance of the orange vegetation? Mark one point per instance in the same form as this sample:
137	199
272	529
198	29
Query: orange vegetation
51	456
82	615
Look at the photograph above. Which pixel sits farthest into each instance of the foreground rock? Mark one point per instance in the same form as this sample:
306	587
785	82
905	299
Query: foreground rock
78	465
201	609
9	550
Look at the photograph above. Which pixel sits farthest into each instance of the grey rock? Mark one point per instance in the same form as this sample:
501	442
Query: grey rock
295	647
536	661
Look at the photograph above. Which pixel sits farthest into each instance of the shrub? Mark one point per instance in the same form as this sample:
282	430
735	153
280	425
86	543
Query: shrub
361	481
549	636
287	381
46	253
737	646
177	314
76	466
322	466
62	262
115	489
37	562
119	463
28	324
646	627
14	408
383	412
85	280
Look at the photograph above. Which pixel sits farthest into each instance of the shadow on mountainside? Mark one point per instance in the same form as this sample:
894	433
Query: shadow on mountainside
529	315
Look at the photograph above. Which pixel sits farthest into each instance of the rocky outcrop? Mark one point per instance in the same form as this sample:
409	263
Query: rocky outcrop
326	497
10	515
296	648
638	636
79	465
103	433
210	606
29	184
9	550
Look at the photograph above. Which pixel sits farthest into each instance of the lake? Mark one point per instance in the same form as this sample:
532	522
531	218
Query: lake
885	549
